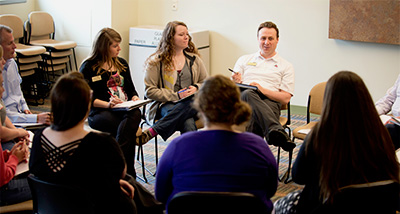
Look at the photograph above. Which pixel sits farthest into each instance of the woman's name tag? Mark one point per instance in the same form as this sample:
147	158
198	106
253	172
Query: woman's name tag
96	78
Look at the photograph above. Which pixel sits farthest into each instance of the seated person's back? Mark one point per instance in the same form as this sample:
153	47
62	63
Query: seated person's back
65	153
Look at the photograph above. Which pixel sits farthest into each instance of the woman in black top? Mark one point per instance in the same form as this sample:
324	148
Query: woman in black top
66	153
109	77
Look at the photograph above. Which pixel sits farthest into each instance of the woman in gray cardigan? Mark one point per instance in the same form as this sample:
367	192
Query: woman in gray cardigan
173	74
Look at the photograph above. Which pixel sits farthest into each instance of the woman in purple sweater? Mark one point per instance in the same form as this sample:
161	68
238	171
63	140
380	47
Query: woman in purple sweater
218	158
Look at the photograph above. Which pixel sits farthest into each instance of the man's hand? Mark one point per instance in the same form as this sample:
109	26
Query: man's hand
27	111
44	118
237	77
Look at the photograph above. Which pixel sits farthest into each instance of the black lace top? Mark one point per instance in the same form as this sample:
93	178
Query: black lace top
94	163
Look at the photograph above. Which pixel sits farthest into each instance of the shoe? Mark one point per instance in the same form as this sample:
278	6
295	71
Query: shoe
280	138
145	137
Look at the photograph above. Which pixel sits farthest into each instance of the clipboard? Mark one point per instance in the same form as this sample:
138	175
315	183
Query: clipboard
245	86
129	105
185	98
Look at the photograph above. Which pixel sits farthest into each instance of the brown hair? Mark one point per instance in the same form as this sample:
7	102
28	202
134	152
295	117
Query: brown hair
219	101
166	48
70	101
268	25
350	141
101	50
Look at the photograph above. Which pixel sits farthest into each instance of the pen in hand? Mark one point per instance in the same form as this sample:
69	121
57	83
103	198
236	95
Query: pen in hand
182	90
111	94
232	70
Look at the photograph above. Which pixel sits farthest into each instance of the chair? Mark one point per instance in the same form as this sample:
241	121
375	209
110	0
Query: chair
199	125
285	122
40	29
57	198
28	59
376	197
215	203
314	106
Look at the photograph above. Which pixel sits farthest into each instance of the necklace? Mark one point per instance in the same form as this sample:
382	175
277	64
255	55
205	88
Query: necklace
178	62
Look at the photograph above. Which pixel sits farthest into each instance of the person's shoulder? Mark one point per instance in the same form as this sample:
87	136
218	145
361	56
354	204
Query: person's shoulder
251	136
123	61
87	63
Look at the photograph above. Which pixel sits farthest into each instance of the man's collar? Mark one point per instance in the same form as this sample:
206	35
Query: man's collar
274	58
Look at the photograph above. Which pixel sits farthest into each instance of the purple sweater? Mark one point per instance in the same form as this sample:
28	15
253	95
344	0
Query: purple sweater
217	161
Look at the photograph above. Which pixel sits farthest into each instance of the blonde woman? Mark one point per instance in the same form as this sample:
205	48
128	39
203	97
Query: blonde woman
174	71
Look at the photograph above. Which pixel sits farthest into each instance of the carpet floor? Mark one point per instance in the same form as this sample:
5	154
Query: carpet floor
150	163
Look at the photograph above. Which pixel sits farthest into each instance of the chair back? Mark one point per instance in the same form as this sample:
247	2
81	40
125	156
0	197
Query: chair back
285	121
377	197
215	203
16	24
315	100
40	26
56	198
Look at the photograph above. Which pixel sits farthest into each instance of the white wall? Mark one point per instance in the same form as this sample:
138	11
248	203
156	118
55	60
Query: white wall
303	41
81	20
233	24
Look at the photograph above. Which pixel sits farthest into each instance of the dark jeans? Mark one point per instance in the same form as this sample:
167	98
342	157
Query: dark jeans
17	190
265	114
123	125
394	131
176	117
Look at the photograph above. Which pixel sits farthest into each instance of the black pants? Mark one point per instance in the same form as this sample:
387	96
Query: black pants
123	125
265	114
394	131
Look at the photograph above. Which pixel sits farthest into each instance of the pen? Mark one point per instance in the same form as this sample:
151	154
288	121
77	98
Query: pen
395	120
232	70
182	90
111	94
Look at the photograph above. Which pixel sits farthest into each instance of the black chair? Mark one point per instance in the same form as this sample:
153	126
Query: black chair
215	203
56	198
285	122
377	197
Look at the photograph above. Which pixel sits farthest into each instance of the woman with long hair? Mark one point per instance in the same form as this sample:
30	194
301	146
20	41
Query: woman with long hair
349	148
175	71
218	158
110	79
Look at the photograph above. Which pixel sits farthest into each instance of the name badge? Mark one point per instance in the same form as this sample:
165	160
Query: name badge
252	63
96	78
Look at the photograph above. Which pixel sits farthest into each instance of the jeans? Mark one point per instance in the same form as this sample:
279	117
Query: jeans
176	117
123	125
16	191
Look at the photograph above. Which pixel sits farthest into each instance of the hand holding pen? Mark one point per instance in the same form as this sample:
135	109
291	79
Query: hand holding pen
114	100
236	76
186	92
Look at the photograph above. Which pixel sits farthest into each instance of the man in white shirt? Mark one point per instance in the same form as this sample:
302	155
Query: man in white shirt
274	78
16	106
391	103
